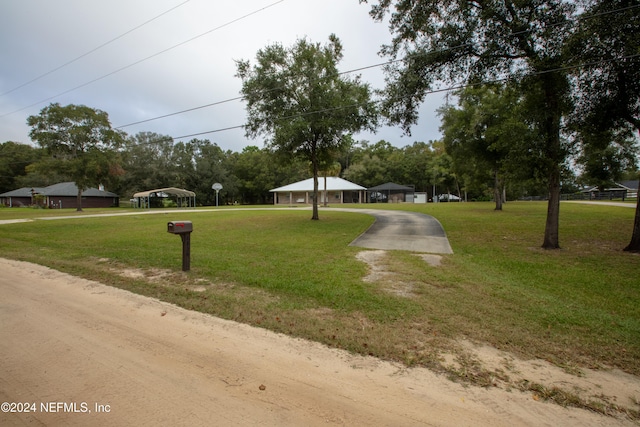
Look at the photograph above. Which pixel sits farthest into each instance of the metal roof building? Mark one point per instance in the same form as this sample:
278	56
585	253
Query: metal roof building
331	189
391	192
185	198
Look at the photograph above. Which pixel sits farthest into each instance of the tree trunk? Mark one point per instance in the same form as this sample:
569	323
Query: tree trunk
314	164
497	194
79	200
551	231
552	86
634	246
325	201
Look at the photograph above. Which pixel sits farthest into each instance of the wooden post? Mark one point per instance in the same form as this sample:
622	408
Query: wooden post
186	251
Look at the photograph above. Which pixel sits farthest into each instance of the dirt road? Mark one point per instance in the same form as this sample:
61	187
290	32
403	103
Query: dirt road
80	353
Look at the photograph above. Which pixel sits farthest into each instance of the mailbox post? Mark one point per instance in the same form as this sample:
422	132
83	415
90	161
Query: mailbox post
184	229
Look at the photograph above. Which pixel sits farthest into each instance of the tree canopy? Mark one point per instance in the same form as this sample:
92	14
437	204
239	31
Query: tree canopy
486	135
299	101
14	159
79	141
472	41
608	99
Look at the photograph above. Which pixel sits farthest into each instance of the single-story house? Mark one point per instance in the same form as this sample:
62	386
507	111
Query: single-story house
20	197
391	193
337	190
62	195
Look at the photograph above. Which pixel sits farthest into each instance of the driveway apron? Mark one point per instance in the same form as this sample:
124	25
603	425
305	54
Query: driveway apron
401	230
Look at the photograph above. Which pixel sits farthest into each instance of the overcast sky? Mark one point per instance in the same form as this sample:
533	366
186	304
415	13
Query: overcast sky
155	70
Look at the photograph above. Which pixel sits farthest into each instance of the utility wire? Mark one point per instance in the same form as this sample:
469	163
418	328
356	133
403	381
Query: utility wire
92	50
237	98
341	73
181	112
447	89
382	64
145	59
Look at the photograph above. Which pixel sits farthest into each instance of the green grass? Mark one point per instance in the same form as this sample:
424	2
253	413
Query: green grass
29	212
577	306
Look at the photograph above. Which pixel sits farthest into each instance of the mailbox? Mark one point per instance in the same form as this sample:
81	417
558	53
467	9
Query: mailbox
179	227
183	229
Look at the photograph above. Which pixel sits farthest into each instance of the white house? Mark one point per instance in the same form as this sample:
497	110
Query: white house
337	190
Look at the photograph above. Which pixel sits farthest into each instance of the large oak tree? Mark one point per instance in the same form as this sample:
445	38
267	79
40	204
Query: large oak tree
462	41
80	144
608	100
487	136
302	104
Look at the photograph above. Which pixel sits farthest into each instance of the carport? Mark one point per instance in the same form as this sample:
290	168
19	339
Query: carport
391	193
185	198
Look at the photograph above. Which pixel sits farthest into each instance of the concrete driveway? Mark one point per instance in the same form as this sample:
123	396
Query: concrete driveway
401	230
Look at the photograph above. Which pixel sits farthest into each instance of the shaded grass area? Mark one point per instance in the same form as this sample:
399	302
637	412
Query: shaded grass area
578	306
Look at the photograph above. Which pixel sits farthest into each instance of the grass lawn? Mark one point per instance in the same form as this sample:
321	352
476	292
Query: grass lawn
576	307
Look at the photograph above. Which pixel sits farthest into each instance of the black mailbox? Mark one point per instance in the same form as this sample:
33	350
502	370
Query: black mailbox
179	227
183	229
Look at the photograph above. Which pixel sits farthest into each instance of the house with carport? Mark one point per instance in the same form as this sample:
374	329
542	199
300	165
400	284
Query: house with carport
331	189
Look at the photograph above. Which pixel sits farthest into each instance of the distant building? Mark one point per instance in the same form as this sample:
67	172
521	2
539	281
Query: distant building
155	198
59	196
391	192
337	190
619	190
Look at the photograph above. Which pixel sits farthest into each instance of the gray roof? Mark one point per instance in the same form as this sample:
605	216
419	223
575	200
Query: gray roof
631	185
58	190
616	186
22	192
333	184
390	186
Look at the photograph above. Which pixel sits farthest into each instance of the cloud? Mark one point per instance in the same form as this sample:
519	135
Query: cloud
181	60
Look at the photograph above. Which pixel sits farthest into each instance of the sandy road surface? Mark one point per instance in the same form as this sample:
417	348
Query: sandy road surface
68	340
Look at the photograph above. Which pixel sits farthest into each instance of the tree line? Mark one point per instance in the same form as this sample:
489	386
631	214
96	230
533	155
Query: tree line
149	160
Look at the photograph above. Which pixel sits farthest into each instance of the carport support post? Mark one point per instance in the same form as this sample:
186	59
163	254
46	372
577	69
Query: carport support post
186	251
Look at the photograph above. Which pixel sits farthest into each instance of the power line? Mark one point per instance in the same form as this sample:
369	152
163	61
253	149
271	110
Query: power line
237	98
578	18
447	89
180	112
208	132
92	50
146	58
